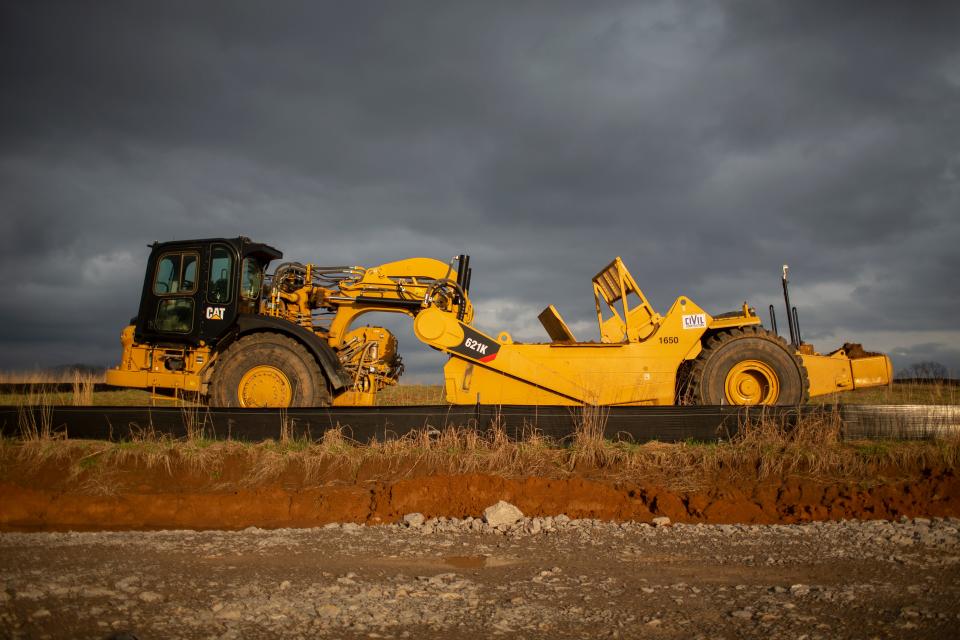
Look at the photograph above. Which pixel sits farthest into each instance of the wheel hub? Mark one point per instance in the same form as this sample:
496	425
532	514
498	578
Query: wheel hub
264	386
752	382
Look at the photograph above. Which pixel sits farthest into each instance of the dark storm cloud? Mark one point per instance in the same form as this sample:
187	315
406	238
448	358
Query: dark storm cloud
706	143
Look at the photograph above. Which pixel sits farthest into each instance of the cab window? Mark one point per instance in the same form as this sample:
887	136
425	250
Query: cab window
176	274
220	288
251	279
175	315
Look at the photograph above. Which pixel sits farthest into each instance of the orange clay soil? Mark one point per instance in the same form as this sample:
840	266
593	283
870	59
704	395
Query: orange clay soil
46	497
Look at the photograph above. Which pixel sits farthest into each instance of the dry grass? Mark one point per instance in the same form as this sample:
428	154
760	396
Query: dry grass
768	450
35	425
196	419
83	389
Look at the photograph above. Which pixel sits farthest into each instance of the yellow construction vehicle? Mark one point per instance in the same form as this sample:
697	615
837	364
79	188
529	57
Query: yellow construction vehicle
212	323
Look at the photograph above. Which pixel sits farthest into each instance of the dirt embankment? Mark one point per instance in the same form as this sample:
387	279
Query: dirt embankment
46	498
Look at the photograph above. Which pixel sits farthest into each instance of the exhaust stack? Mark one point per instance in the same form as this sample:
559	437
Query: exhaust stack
791	317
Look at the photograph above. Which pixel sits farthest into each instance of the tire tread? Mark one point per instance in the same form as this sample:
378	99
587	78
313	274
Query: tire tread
690	393
274	347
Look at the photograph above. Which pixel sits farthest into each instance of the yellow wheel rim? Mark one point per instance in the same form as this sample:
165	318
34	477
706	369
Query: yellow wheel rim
264	386
752	382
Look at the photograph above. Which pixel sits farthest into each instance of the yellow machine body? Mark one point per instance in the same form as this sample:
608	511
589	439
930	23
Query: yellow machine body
836	372
142	366
564	372
636	362
367	355
640	358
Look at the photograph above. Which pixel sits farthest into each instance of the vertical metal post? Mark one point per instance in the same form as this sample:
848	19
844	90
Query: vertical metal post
477	416
786	298
773	320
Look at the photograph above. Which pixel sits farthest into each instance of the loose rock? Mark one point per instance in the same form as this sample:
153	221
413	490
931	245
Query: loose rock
414	519
502	514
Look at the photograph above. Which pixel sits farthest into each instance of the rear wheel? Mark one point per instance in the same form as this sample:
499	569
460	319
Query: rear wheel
747	366
267	370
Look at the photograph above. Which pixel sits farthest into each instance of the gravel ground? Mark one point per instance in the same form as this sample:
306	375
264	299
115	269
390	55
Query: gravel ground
538	578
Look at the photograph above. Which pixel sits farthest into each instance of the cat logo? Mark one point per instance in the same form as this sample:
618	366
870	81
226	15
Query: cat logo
216	313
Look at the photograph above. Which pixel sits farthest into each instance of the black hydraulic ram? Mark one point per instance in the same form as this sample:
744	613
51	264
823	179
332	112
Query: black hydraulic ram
796	326
412	305
462	271
463	280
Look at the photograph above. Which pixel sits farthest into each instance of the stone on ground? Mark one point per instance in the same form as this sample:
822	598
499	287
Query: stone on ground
502	513
414	519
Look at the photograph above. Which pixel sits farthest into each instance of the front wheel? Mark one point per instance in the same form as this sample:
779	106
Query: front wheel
747	366
267	370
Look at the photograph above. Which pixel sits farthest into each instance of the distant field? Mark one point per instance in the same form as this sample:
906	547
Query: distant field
407	394
66	376
905	393
119	397
410	394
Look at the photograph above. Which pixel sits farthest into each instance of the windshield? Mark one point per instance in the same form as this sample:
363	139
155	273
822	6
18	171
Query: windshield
176	273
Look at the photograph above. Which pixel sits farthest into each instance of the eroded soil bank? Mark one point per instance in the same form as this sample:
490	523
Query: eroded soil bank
47	498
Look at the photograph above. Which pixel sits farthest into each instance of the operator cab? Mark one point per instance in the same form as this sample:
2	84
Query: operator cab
194	289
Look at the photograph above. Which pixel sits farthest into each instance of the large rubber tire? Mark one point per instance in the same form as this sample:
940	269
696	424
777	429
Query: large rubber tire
748	365
267	370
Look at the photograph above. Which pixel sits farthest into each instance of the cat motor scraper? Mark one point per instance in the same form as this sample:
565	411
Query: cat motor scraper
212	322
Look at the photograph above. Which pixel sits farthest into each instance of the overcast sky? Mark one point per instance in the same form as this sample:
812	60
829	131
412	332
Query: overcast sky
706	143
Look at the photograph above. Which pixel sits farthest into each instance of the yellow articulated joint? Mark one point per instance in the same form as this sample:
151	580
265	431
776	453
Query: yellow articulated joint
438	329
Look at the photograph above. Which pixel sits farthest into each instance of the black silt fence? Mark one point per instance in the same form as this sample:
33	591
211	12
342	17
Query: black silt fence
364	424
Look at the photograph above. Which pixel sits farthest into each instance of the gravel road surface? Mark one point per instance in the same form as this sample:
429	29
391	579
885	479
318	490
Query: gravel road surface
542	577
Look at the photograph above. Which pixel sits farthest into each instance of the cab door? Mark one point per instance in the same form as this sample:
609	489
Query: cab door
219	298
194	289
170	308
